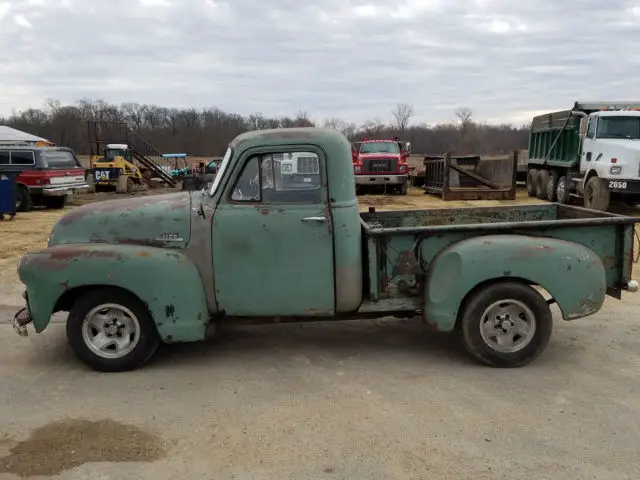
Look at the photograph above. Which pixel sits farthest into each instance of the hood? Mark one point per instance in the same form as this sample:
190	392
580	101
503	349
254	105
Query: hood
154	220
379	155
619	144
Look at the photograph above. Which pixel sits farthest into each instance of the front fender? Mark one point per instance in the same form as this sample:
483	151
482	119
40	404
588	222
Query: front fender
165	280
573	274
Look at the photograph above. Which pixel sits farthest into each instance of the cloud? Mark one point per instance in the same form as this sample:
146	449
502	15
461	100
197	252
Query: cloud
353	59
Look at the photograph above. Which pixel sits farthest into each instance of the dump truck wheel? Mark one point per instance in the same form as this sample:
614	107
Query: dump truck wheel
563	194
404	188
506	324
551	186
596	194
541	184
24	202
111	330
532	177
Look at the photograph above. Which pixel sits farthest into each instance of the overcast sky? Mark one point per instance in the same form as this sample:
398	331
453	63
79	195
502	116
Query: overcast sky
353	59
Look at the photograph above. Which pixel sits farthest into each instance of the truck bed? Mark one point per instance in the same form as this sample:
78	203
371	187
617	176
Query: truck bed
400	245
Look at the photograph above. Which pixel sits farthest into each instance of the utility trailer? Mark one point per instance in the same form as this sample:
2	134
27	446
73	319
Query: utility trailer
590	152
469	177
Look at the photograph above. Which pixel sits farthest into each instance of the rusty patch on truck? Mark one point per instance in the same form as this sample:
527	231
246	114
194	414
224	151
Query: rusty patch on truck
61	446
406	264
63	253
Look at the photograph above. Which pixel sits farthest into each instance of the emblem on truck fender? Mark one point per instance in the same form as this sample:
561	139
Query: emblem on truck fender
170	237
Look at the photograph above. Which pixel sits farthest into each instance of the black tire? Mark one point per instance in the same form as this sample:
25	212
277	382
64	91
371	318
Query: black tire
147	342
479	345
532	178
403	189
596	194
541	184
23	199
563	194
551	186
55	202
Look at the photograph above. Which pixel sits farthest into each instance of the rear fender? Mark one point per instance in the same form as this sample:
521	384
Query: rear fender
165	280
573	274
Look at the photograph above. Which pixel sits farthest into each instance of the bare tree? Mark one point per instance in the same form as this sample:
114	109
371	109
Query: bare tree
402	114
208	131
464	114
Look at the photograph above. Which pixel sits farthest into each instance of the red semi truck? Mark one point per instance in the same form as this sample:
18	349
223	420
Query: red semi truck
381	163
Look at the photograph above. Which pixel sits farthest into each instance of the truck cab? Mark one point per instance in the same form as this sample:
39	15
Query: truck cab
138	272
381	163
591	152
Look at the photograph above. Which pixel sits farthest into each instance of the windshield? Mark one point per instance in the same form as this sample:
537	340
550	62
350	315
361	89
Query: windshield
619	127
221	171
60	159
380	147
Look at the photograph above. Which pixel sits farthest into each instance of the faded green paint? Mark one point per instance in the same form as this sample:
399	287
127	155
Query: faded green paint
165	280
142	221
573	274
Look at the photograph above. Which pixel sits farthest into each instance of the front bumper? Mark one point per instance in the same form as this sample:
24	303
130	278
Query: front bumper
60	191
381	179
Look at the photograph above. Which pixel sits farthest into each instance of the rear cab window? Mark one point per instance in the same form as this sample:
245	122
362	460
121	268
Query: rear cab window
64	159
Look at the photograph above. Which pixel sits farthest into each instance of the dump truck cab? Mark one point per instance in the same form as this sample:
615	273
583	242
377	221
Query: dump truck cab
591	153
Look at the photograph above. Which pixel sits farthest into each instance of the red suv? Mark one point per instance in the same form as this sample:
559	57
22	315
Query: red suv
48	175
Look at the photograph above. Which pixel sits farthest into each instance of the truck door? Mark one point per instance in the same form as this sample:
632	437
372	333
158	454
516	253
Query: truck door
587	159
272	240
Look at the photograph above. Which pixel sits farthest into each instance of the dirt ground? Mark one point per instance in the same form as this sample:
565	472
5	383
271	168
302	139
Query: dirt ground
381	399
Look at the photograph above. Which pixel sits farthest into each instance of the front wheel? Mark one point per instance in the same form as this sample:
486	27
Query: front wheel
507	324
403	189
111	330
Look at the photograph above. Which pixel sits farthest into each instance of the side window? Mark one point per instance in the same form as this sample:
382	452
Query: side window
247	187
591	129
22	158
4	158
290	177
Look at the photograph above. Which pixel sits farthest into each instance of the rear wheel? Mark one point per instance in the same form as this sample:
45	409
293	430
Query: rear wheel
551	186
506	324
596	194
532	177
23	199
111	330
541	184
563	194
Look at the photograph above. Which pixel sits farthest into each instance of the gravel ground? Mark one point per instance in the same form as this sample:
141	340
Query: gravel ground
355	400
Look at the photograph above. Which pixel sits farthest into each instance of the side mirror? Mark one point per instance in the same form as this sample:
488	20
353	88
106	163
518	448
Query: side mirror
407	148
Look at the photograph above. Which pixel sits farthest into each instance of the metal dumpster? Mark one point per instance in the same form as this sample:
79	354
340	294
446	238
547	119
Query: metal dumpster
8	193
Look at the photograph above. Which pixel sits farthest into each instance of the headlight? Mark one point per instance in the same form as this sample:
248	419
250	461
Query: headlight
615	170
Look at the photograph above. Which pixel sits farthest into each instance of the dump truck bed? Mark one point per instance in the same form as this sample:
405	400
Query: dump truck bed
400	245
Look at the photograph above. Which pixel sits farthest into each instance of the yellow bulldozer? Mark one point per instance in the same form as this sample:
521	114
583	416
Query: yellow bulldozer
114	169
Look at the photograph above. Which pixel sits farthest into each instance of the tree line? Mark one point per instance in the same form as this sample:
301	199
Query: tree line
207	132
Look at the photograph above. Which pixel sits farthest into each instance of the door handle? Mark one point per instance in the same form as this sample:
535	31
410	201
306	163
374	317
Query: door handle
314	219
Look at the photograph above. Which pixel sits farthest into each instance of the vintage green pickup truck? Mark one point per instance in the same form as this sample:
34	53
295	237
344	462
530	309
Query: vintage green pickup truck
135	273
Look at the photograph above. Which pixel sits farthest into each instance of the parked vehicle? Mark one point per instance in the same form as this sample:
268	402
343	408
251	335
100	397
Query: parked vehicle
381	163
590	152
48	175
198	178
138	272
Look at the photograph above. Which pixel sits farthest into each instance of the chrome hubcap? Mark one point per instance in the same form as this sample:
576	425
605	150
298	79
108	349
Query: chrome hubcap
111	330
507	326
